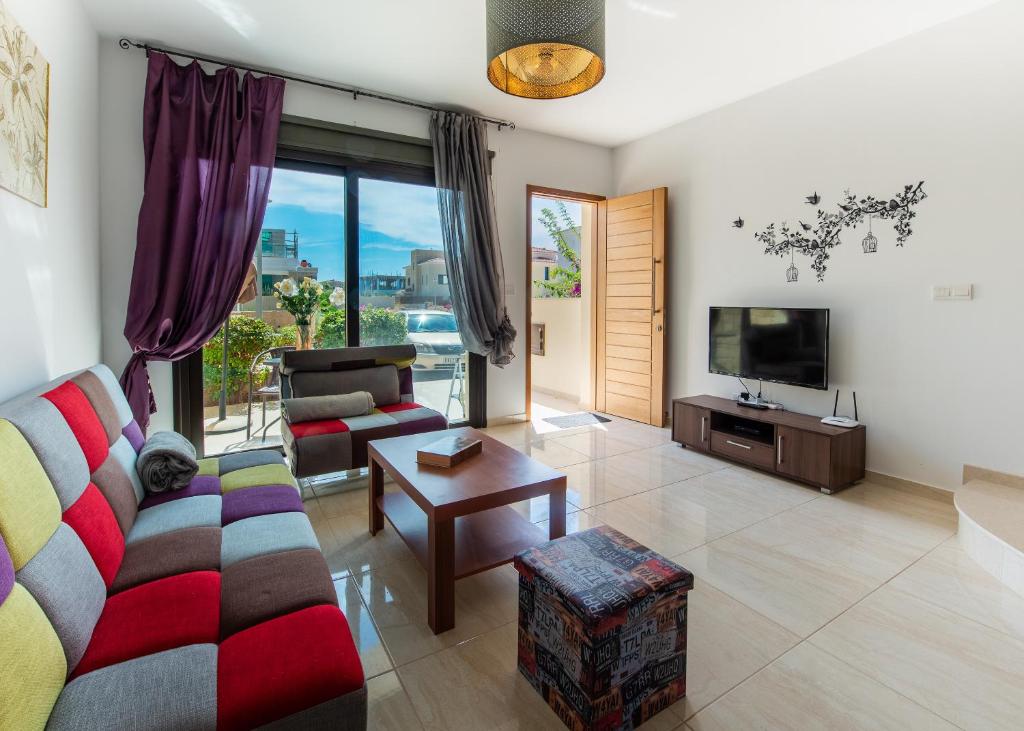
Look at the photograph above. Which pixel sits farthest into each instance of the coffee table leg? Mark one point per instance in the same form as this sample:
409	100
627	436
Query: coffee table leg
376	491
441	575
556	511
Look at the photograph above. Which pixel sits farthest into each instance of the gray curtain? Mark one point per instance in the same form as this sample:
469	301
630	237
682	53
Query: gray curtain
470	232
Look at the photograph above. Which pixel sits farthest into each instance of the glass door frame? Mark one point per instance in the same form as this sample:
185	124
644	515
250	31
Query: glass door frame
187	374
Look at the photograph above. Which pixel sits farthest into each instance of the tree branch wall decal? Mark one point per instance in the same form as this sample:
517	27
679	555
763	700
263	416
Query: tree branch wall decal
818	240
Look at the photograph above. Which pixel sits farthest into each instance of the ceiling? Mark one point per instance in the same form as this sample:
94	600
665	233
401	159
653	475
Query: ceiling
667	60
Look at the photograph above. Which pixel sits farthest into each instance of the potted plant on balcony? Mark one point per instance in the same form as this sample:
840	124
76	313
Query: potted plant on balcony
302	301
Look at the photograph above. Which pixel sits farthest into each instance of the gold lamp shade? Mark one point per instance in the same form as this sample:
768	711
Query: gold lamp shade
545	49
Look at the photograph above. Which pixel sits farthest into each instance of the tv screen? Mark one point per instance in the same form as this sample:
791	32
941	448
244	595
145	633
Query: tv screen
781	345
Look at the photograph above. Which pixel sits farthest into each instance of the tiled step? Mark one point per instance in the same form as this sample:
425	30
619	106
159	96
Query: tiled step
991	529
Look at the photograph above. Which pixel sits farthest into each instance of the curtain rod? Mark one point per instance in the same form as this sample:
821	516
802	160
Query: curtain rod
128	44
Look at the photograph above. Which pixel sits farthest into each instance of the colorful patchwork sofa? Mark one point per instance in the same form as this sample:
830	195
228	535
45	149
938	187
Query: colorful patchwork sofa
207	608
334	445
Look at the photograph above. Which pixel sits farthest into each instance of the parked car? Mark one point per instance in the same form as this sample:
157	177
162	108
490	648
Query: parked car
436	337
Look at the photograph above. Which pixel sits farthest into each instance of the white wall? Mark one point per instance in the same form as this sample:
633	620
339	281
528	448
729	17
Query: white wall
561	370
50	319
522	158
937	382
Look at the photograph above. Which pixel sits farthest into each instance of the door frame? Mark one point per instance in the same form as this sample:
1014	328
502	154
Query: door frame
545	192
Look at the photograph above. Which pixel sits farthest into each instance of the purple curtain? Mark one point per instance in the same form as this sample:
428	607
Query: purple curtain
210	143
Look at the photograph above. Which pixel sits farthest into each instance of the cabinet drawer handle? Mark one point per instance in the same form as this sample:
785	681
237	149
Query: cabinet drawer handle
737	444
703	419
779	461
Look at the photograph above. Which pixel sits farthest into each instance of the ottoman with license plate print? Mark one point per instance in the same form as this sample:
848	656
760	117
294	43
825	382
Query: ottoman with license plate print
602	628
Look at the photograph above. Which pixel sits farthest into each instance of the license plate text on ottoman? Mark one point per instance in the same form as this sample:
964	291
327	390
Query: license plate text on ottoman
602	628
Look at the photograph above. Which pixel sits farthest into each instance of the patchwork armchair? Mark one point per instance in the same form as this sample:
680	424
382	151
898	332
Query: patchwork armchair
334	445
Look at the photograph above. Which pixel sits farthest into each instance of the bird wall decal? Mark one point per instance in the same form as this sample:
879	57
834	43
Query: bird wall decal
813	199
780	239
738	223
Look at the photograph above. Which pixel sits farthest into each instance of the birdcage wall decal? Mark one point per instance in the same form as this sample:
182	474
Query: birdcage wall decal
870	241
792	272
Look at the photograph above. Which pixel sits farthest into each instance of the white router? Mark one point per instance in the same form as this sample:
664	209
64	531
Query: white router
842	421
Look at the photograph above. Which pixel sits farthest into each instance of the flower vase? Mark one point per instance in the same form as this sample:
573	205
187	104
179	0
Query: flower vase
304	336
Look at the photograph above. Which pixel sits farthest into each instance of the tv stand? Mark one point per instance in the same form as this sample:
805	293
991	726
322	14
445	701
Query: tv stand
784	443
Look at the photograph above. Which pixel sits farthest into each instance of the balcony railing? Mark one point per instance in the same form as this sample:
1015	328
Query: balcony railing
283	251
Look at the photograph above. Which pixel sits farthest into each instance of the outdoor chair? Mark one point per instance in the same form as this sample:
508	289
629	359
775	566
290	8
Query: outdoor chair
268	360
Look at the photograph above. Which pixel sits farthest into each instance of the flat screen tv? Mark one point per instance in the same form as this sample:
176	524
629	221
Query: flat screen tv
780	345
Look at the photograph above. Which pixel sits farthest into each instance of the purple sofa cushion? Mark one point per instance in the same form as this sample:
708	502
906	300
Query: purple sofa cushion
264	500
6	572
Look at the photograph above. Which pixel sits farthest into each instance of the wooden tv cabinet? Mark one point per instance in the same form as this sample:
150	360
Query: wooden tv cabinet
791	445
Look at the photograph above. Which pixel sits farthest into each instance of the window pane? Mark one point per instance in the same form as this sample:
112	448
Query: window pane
303	236
403	289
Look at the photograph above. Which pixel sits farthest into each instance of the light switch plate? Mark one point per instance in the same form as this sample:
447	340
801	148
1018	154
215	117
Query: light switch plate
953	292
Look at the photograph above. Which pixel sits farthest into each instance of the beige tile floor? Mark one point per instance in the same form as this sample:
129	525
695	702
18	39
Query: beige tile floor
851	611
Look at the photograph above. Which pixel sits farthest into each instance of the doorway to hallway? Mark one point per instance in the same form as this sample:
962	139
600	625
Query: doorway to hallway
561	256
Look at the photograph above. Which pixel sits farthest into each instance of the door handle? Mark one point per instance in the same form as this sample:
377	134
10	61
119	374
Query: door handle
737	444
779	460
703	419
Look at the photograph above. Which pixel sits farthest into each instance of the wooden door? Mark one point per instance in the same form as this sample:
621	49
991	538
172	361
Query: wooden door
630	347
802	455
691	426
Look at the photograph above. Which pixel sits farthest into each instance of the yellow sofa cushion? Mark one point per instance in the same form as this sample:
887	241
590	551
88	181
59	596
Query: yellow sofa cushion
29	508
32	664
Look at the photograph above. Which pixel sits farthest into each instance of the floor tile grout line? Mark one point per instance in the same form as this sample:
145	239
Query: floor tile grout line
651	489
927	601
748	677
716	470
394	664
373	621
412	703
881	682
423	723
1011	635
810	638
794	507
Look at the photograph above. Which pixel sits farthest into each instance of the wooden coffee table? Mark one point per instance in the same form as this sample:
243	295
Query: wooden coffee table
457	520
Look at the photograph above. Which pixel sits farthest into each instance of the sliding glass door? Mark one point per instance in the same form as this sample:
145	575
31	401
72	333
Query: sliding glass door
403	289
368	238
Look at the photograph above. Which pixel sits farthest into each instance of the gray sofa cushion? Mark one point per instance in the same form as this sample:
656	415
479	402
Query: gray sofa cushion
318	408
380	381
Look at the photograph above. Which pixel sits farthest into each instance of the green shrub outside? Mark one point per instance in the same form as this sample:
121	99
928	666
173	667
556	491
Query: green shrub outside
330	329
380	326
247	338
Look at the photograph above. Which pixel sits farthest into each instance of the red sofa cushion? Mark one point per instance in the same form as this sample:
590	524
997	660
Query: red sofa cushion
285	665
93	520
78	412
316	428
161	615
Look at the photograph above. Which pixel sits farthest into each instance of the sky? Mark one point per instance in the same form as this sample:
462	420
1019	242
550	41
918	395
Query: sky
539	233
394	219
